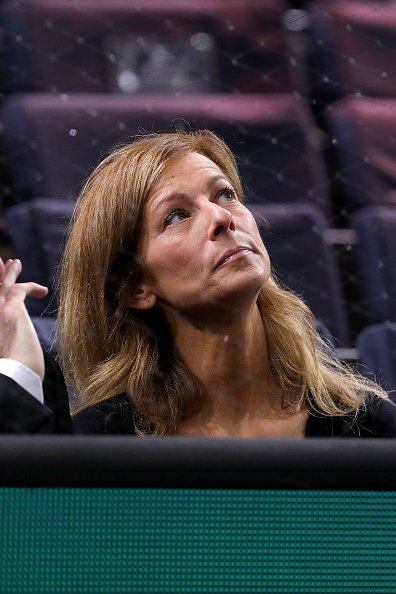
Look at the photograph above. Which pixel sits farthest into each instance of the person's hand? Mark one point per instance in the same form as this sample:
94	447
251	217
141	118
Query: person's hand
18	338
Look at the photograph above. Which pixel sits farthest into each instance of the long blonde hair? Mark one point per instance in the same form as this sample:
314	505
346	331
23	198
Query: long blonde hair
108	349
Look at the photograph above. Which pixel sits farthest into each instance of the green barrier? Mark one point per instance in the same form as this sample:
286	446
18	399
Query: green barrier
164	540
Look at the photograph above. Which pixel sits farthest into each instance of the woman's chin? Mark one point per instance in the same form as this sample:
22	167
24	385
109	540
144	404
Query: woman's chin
249	279
241	289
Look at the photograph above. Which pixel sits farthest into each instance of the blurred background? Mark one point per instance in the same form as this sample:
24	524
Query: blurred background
303	92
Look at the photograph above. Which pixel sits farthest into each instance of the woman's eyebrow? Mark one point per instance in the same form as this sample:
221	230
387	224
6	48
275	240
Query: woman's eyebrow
183	196
213	180
170	197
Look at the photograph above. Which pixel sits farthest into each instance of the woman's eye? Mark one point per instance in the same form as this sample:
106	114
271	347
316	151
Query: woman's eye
226	195
175	216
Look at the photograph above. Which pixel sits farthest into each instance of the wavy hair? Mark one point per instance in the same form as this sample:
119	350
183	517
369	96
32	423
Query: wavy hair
108	349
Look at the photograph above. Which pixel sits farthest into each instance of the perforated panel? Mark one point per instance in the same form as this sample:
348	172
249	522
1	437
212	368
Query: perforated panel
179	540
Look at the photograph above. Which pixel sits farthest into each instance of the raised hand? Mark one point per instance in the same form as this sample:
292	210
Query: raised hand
18	338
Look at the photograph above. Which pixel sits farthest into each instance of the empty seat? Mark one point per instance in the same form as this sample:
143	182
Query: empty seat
376	249
52	142
46	331
354	47
38	229
146	45
363	133
301	259
377	354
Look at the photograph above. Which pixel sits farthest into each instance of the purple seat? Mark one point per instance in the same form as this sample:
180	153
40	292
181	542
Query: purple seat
363	132
302	260
354	46
46	331
376	230
37	229
377	354
99	46
52	142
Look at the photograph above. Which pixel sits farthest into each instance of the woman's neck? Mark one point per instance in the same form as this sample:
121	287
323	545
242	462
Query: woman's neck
231	362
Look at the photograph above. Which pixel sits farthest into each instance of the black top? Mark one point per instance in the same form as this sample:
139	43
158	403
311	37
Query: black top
377	419
20	412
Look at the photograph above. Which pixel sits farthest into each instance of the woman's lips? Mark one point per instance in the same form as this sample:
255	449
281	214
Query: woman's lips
231	254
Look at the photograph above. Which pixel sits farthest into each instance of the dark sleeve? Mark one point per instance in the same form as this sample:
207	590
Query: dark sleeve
111	417
379	418
376	419
56	397
20	412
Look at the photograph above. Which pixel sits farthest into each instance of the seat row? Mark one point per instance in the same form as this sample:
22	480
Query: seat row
298	240
237	67
52	141
127	45
244	45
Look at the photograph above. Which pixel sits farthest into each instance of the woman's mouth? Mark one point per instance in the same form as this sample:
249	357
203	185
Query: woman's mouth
232	255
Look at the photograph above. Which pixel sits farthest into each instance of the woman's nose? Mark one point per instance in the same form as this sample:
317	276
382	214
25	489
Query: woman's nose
220	220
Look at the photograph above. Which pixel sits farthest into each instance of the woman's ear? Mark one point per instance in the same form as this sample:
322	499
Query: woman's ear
141	298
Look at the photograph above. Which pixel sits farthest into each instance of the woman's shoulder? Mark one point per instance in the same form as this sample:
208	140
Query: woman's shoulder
114	416
377	418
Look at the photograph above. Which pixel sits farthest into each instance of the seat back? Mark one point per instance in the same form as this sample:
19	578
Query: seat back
46	331
377	354
376	231
38	229
354	44
303	261
364	132
52	143
127	45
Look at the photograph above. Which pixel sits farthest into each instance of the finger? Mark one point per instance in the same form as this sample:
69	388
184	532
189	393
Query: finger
36	290
7	266
3	273
13	270
2	270
22	290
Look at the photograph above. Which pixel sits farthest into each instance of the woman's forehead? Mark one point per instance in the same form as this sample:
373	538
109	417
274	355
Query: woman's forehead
187	170
188	163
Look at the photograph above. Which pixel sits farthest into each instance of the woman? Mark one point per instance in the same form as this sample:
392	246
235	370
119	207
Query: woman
170	319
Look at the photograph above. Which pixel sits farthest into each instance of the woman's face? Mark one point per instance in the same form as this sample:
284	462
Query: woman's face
200	245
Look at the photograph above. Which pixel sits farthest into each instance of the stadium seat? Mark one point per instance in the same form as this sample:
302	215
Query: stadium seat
52	142
363	132
354	45
147	45
302	260
376	230
46	331
377	354
37	229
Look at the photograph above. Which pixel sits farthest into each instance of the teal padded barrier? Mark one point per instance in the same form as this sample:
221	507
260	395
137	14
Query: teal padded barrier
119	540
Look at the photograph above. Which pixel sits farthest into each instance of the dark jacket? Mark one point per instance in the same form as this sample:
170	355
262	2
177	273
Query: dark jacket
21	413
377	419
